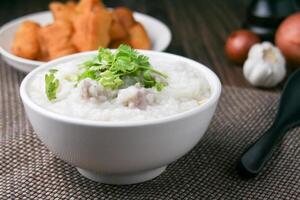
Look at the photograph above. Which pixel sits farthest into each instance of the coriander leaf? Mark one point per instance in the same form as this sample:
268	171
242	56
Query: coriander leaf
109	80
121	69
149	80
105	56
87	74
160	86
51	84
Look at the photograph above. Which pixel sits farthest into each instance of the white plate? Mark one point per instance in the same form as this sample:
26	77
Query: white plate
159	34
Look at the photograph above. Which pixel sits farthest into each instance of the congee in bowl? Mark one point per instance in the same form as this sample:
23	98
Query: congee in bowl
121	85
120	116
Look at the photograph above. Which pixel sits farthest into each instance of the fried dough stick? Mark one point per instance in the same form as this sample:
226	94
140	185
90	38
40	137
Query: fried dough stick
116	43
139	38
125	17
89	5
92	29
117	30
61	11
26	43
55	39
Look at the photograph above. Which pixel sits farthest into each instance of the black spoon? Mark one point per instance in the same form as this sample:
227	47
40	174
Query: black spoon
288	116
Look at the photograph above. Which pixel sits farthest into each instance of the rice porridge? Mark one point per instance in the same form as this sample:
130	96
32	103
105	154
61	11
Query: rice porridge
91	93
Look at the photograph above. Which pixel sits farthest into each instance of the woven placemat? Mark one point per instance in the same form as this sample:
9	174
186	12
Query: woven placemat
29	171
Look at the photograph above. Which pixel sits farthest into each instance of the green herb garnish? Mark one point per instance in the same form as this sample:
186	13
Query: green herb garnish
121	69
51	84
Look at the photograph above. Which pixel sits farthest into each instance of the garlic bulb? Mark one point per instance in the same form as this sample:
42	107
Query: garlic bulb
265	65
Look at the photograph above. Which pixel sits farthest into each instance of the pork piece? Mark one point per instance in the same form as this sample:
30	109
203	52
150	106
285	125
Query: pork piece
85	6
61	11
125	16
117	30
55	39
92	29
138	37
91	90
135	97
26	42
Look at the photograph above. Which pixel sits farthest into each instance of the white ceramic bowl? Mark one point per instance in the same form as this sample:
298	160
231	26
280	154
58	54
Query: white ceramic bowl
121	152
159	34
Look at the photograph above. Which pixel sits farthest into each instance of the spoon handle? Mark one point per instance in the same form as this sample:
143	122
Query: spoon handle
257	155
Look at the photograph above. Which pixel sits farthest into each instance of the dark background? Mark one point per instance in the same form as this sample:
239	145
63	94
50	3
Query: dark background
199	27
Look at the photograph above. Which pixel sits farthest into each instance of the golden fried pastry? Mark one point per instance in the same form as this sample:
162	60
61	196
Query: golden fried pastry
116	43
55	39
117	30
26	43
125	16
85	26
138	37
71	4
92	29
89	5
61	11
43	55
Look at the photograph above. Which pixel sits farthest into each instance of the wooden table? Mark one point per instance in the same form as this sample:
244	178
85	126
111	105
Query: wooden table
199	27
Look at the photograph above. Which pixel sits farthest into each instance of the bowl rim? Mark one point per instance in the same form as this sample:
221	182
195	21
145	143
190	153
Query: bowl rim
36	63
211	77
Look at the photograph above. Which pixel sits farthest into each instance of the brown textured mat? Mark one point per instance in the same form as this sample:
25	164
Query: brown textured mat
29	171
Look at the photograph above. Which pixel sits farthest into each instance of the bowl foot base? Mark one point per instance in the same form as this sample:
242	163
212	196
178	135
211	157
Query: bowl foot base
122	179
